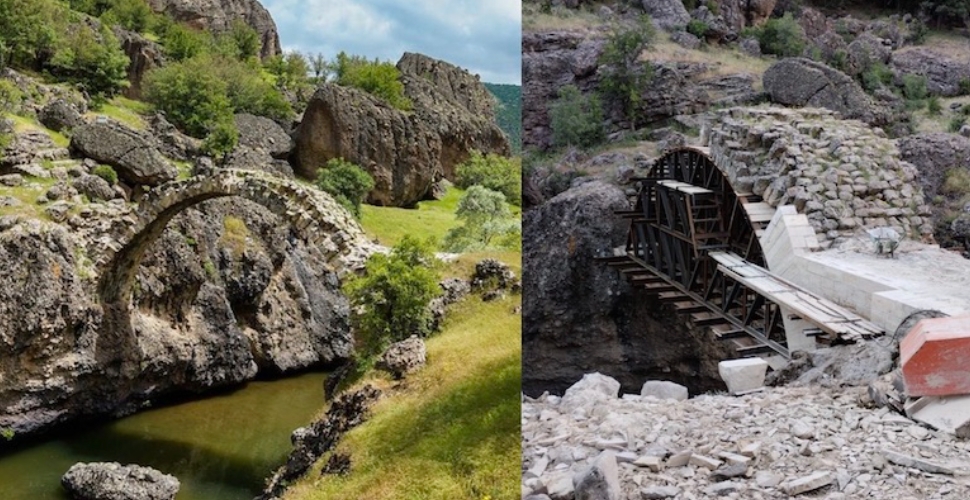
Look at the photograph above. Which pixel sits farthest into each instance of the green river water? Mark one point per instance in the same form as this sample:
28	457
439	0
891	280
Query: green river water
220	448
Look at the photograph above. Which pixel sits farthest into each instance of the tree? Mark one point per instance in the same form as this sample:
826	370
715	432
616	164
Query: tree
485	218
576	120
493	172
624	75
782	37
192	97
222	139
245	39
390	300
346	182
380	79
321	67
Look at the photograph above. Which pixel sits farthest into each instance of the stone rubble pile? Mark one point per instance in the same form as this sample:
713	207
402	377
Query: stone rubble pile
842	174
775	443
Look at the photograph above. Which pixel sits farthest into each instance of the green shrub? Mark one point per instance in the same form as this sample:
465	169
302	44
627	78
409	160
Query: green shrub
390	299
782	37
94	59
956	123
697	28
624	75
290	70
346	182
134	15
964	86
10	96
493	172
876	76
192	97
107	173
378	78
245	39
576	120
222	138
182	42
486	220
914	87
839	60
933	106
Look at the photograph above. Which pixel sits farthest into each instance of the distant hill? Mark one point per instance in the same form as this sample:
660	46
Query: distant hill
509	111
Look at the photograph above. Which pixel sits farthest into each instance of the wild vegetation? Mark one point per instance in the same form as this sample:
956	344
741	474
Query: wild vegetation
346	182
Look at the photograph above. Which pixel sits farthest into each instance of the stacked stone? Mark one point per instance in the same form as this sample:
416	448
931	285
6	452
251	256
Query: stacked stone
842	174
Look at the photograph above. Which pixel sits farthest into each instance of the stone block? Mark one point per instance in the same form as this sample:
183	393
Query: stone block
933	356
662	389
706	462
945	413
807	483
743	375
600	481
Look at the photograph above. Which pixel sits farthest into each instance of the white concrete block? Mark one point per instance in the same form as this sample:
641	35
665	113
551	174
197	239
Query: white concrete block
743	375
662	389
949	414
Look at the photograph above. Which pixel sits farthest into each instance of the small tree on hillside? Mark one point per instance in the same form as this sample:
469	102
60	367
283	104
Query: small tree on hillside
390	300
624	75
486	219
346	182
576	120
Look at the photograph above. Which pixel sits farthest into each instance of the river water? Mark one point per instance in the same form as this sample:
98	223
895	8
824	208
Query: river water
220	448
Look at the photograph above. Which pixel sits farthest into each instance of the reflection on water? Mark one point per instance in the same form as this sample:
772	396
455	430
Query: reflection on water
220	448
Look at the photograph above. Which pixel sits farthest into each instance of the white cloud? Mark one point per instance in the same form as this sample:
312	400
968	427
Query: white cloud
483	37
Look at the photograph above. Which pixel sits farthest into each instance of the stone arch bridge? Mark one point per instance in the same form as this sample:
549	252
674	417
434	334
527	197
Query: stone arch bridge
315	215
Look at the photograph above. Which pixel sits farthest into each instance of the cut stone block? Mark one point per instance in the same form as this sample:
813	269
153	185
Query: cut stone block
743	375
706	462
933	356
652	463
807	483
679	459
662	389
945	413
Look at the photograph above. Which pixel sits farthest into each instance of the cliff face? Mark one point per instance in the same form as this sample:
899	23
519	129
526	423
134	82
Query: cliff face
224	293
406	152
218	15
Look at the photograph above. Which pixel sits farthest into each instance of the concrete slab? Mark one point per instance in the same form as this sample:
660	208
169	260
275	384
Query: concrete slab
934	357
743	375
948	413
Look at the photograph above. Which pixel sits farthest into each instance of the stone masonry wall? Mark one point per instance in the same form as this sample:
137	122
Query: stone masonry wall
842	174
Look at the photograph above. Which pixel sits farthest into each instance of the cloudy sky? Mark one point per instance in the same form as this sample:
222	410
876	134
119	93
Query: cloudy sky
482	36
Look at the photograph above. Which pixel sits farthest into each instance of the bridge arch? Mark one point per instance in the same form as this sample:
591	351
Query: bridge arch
337	234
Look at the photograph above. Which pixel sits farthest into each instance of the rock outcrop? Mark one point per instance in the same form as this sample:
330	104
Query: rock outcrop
937	155
143	55
113	481
580	316
310	443
259	132
551	61
405	152
667	14
218	16
945	75
403	357
60	115
133	155
456	105
397	148
803	82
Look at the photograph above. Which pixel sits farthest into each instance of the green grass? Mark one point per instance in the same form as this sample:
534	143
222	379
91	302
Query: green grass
23	124
124	110
28	193
430	219
451	430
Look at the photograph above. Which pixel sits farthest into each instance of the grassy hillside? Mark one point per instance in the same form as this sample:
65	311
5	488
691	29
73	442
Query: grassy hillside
451	430
509	111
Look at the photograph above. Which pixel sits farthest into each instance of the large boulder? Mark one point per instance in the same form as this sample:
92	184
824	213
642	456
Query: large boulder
403	357
803	82
579	316
934	154
218	16
94	187
945	75
667	14
133	155
60	115
263	133
456	105
113	481
397	148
